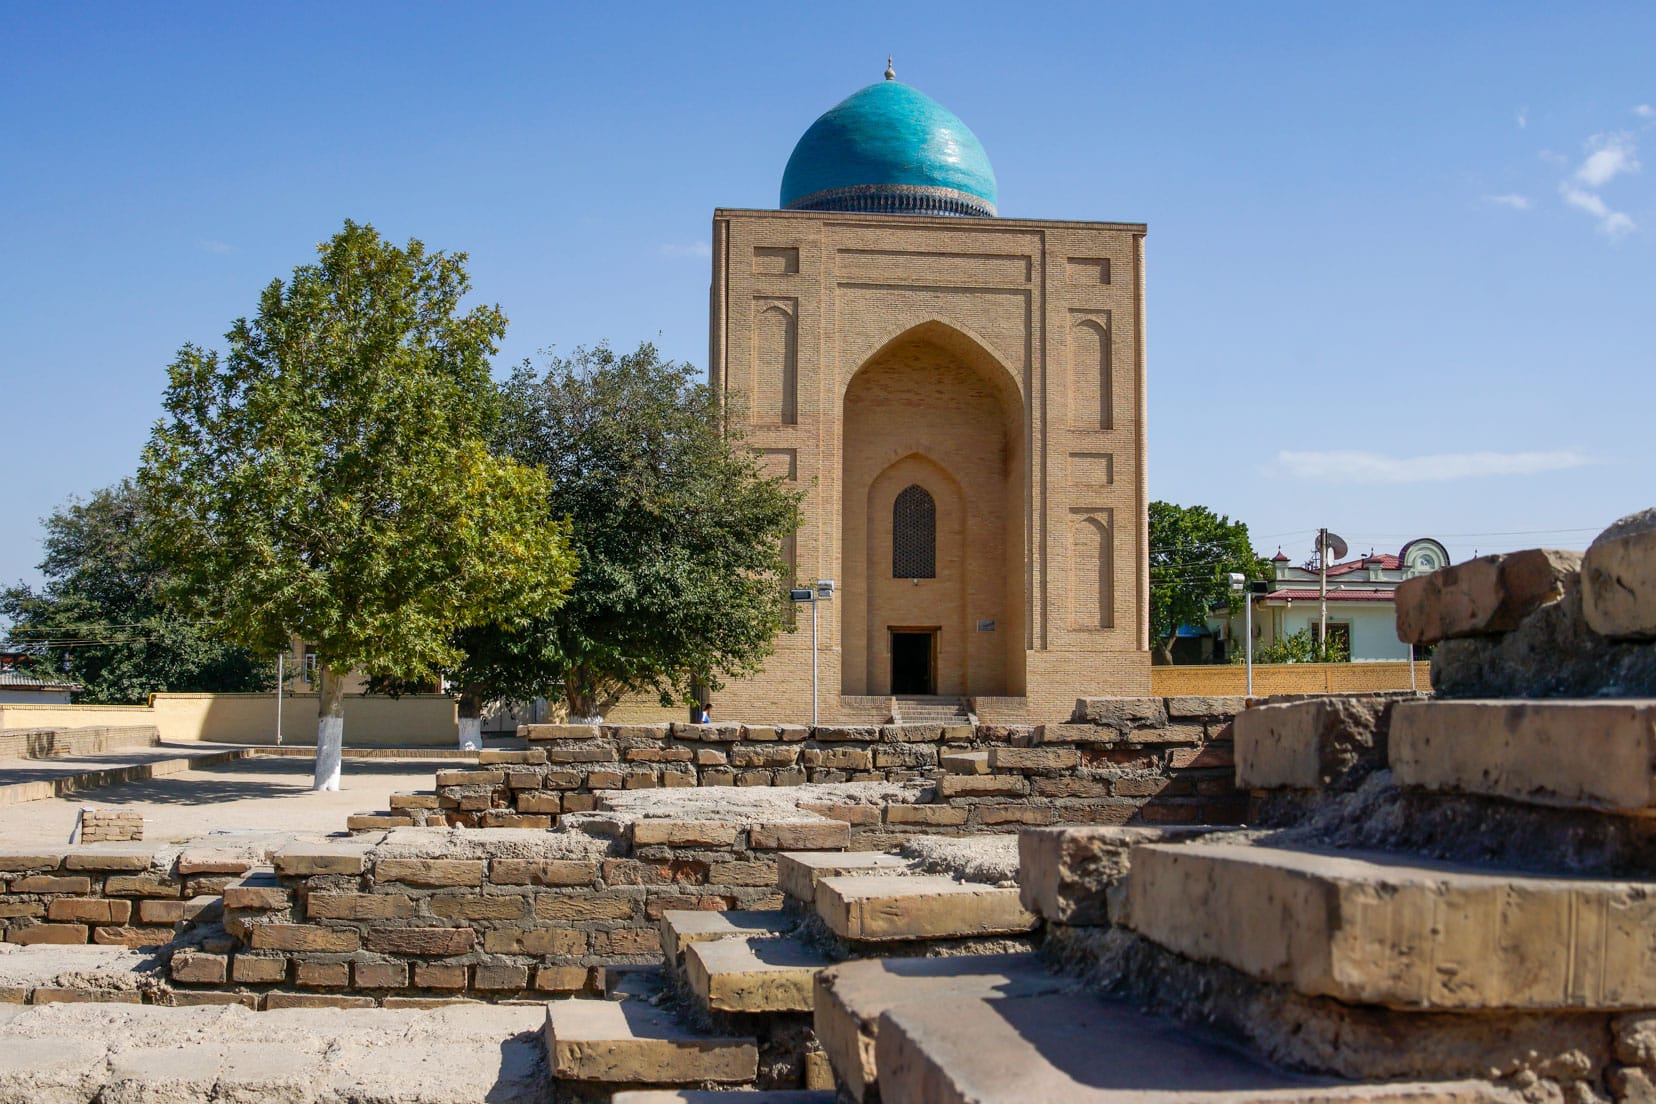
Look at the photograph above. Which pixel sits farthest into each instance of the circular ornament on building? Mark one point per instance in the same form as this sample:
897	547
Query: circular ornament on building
890	149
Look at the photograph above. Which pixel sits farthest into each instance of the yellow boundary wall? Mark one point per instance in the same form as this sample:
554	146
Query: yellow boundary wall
1288	678
413	720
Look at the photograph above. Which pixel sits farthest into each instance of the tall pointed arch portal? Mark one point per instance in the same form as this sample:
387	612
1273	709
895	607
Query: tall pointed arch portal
933	520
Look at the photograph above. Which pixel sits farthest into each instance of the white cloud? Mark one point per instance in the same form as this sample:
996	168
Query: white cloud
687	249
1374	467
209	246
1610	156
1523	117
1645	111
1612	223
1511	199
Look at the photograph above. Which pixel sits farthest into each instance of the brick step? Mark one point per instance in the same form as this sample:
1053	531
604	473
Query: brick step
634	1043
681	927
773	974
44	973
888	907
378	821
456	1055
1597	755
725	1096
1081	1049
1369	928
852	996
797	872
413	799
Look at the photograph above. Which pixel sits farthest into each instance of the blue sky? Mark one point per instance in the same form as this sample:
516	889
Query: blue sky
1401	276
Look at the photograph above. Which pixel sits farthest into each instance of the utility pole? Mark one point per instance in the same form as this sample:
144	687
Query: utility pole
1322	588
280	657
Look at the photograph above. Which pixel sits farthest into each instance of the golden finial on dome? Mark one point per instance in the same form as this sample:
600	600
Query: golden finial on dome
891	74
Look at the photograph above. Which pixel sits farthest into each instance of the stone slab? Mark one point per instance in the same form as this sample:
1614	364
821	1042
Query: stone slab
753	975
1078	875
681	927
884	907
851	997
634	1042
1598	754
1618	579
797	873
722	1096
1083	1050
1490	594
1371	928
1309	744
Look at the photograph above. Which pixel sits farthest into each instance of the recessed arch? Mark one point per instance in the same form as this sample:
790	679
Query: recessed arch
914	534
774	399
1091	376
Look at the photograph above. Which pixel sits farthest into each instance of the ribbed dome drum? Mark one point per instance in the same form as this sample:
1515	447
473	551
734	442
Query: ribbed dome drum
890	148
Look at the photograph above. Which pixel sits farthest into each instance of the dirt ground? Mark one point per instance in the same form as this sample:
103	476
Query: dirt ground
257	794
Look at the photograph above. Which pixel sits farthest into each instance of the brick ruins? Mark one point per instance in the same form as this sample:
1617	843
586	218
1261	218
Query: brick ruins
1432	899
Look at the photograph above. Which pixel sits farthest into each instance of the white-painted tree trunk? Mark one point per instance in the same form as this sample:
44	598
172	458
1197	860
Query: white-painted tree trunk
593	719
330	728
471	733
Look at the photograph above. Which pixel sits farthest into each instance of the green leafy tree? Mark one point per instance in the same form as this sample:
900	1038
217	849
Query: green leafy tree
329	477
1301	647
678	532
1193	552
105	619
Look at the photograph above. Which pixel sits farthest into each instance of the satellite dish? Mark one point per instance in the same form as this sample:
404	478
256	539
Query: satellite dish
1336	544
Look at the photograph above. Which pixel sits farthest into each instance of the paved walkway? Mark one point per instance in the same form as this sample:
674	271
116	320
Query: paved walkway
254	794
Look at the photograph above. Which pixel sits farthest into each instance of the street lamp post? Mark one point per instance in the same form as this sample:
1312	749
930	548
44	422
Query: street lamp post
822	592
1239	584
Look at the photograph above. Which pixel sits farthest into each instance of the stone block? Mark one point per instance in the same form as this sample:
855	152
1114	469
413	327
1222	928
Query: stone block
1034	759
379	975
492	757
302	937
358	906
1078	875
813	835
439	975
412	801
852	996
561	979
430	872
755	873
633	1042
965	762
30	858
1319	743
48	933
322	975
684	833
545	802
498	818
141	885
538	732
258	970
466	906
843	733
555	906
1490	594
678	928
162	912
1618	579
124	936
882	908
115	859
753	975
535	941
1368	928
212	860
991	815
1122	714
931	816
434	942
89	910
275	1001
257	891
303	859
982	785
51	883
493	977
1191	706
798	874
624	941
544	872
1578	754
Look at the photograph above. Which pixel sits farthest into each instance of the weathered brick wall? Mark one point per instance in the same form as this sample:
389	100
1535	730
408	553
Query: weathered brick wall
130	896
110	826
1148	760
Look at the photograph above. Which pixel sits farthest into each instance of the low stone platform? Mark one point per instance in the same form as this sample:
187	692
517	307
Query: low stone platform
113	1052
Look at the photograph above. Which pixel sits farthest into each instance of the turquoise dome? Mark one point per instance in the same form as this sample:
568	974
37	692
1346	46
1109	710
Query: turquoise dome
890	148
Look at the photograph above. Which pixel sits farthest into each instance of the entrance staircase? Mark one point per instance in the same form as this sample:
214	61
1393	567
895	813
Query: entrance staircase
930	709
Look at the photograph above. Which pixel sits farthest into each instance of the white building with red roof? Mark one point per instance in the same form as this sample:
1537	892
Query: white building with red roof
1362	601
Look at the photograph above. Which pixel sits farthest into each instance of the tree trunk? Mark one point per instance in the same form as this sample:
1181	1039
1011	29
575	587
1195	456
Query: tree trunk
582	699
471	719
1161	653
330	727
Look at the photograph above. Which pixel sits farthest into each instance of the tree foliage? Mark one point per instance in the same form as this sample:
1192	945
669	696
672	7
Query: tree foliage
1193	551
328	477
105	618
678	534
1299	647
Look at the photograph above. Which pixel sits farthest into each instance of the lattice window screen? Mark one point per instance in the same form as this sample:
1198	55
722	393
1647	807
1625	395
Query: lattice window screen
914	534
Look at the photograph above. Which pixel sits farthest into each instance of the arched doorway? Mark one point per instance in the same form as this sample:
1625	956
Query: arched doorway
932	521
